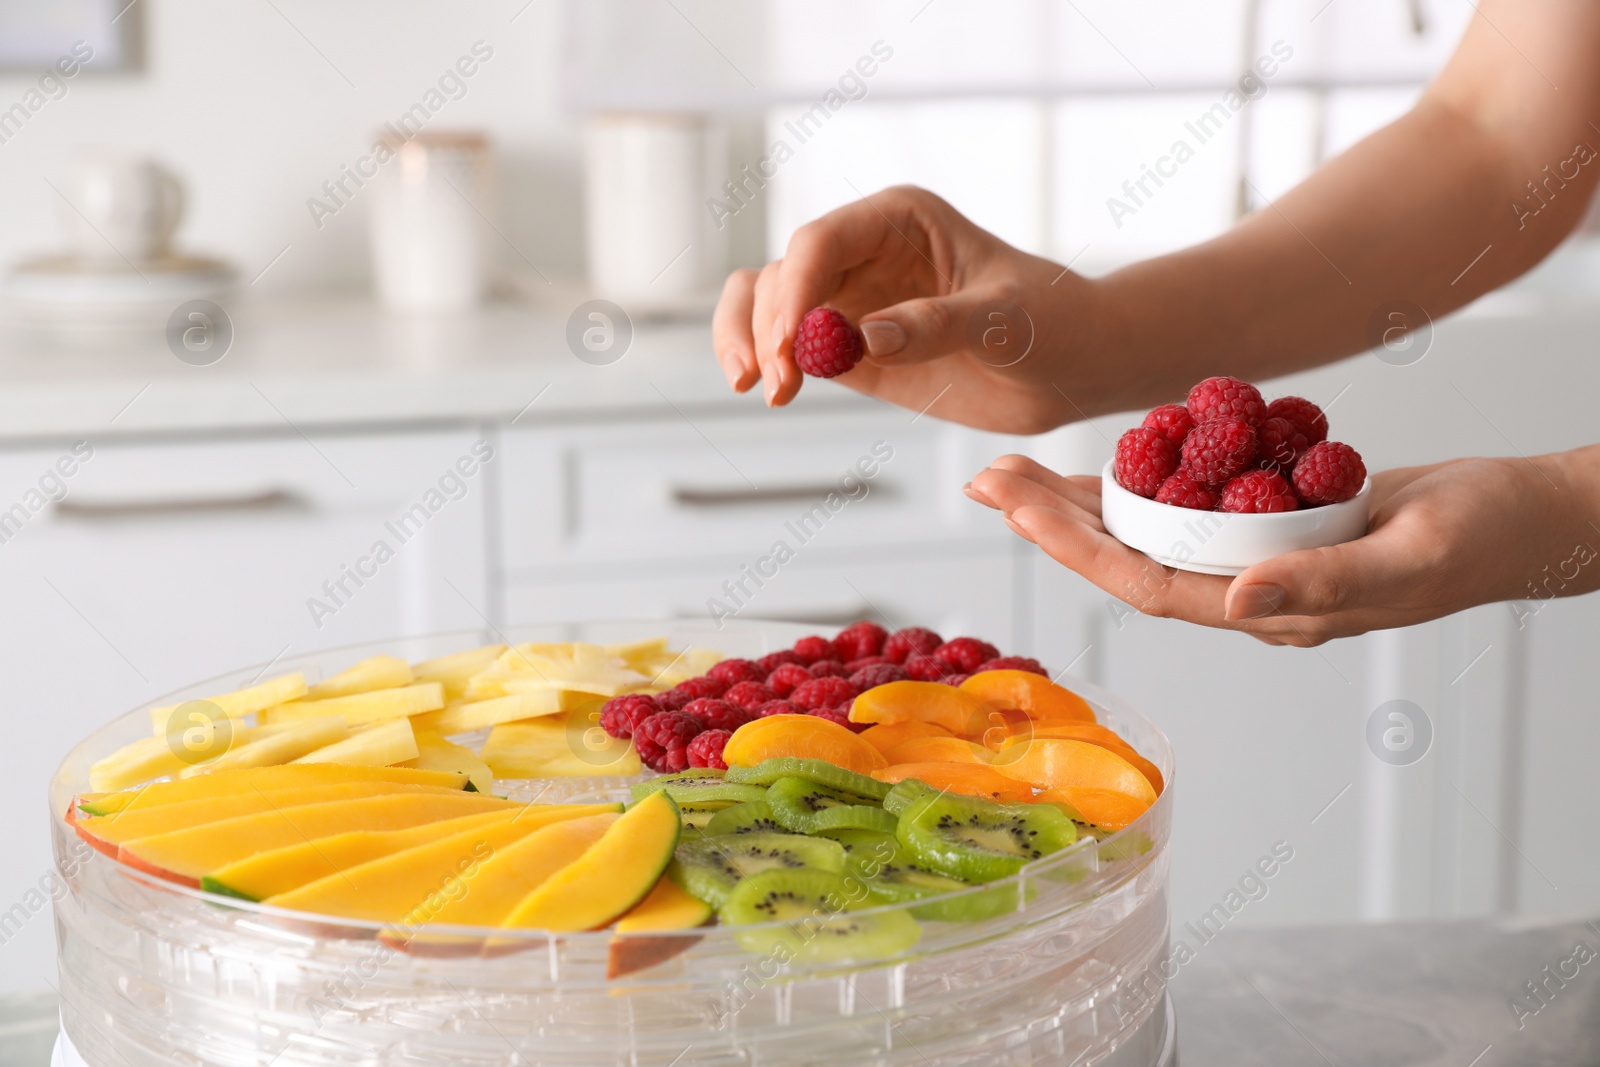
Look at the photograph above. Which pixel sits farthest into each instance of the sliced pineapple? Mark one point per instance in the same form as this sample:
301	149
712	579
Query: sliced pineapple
556	747
379	672
381	745
434	753
456	670
359	708
242	702
481	714
276	746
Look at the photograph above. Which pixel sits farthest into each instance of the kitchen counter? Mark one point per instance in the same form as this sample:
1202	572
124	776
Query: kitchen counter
341	361
1418	994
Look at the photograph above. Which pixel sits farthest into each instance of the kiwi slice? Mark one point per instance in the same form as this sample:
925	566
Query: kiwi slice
901	794
892	876
751	817
980	841
812	770
812	919
804	807
707	868
700	783
697	814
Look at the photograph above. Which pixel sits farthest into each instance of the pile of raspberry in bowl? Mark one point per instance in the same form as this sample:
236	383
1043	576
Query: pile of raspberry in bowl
1228	449
688	725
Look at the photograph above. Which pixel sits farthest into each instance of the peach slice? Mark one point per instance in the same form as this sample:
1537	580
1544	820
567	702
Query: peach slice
943	705
938	750
885	736
1065	767
1100	807
968	779
1066	730
803	737
1035	696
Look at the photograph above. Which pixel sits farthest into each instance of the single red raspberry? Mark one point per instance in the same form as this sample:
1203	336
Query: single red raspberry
1218	450
1171	421
1013	663
662	740
718	714
824	693
862	639
902	643
877	674
1279	443
734	671
954	679
749	695
1182	491
811	649
783	680
827	344
773	660
1330	472
1145	459
926	668
1217	398
840	716
779	707
965	653
865	661
829	668
1255	492
1306	416
706	750
619	715
690	689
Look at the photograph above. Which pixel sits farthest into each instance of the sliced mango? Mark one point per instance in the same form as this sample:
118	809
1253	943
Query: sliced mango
224	783
185	855
412	886
379	672
107	831
359	708
645	938
611	877
284	870
377	746
242	702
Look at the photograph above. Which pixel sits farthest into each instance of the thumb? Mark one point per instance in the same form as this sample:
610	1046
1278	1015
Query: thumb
932	327
1320	581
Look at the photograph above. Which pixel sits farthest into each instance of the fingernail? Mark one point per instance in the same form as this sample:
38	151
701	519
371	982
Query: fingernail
1254	601
883	338
976	494
1018	530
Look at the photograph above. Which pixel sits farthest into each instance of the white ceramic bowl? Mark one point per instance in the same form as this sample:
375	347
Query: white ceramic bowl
1218	542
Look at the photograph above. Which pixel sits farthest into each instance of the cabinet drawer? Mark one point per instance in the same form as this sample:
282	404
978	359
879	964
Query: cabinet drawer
672	488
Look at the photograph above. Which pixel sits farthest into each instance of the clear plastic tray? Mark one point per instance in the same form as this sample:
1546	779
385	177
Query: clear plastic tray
156	974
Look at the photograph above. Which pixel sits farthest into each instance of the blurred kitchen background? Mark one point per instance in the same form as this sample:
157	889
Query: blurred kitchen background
253	338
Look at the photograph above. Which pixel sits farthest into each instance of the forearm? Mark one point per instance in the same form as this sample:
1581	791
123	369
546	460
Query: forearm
1421	211
1569	527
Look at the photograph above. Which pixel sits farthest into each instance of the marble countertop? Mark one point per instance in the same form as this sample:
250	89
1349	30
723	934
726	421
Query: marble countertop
1448	994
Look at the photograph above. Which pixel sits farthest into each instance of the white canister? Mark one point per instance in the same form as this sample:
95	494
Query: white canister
653	243
430	230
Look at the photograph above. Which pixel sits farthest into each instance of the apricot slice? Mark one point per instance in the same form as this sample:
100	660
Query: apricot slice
1091	732
1035	696
927	702
886	735
1054	764
802	737
1099	807
968	779
938	750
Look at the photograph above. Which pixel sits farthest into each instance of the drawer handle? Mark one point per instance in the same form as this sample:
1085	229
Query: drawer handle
102	510
691	497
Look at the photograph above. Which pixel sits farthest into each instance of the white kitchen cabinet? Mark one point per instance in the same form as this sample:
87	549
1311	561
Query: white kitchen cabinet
169	562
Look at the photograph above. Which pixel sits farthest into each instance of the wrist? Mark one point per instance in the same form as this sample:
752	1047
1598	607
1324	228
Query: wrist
1569	483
